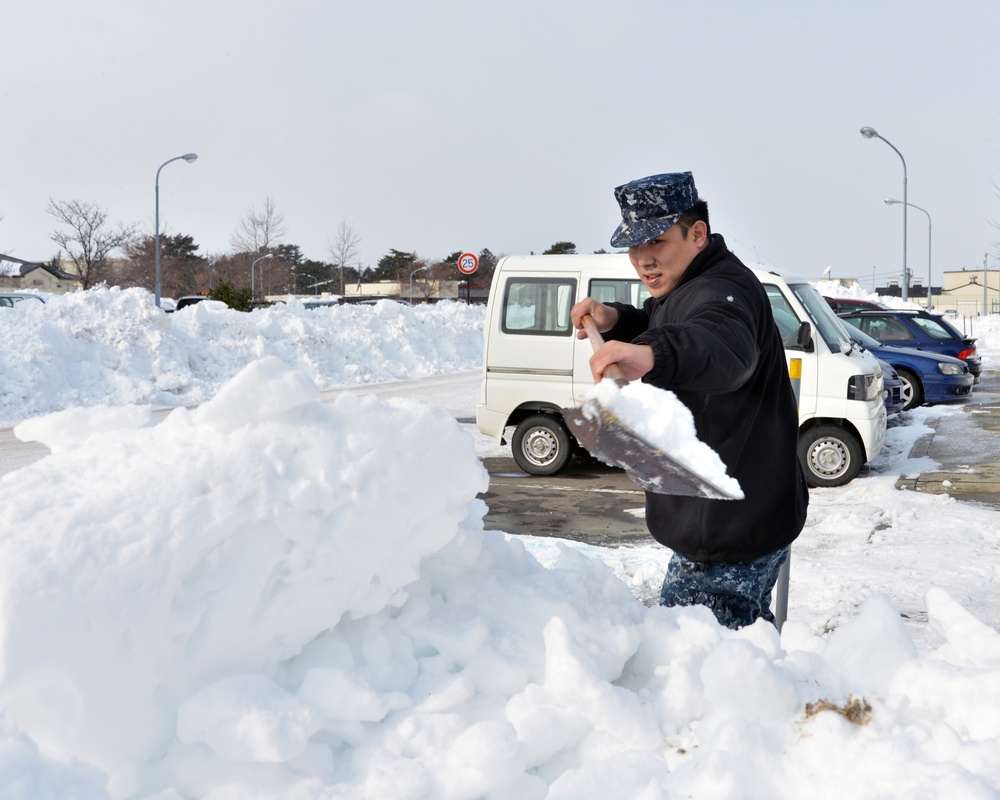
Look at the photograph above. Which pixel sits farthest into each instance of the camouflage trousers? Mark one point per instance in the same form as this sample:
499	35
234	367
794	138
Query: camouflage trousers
736	592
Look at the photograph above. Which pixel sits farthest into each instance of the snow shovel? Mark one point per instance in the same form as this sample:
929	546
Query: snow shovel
610	439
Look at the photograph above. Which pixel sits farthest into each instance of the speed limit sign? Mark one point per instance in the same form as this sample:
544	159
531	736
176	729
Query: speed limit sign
468	263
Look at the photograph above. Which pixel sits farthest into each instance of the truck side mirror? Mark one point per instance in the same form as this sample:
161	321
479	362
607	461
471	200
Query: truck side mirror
804	338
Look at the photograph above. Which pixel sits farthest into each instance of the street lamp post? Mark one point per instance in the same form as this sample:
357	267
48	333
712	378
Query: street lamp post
889	202
871	133
189	157
986	283
411	280
254	264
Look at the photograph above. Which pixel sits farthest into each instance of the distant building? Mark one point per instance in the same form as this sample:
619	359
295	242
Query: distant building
424	291
19	275
916	292
971	292
967	292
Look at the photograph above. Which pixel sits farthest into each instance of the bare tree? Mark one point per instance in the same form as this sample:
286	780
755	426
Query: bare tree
90	239
344	248
259	231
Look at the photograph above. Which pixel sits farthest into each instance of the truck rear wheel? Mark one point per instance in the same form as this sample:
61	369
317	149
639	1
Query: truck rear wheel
830	456
542	445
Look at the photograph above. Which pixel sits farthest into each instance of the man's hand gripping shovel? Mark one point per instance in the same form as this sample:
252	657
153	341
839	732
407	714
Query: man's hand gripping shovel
611	440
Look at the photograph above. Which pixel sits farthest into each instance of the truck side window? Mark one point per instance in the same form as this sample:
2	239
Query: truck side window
619	291
538	306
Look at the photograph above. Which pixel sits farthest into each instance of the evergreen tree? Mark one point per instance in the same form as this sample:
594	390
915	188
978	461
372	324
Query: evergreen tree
179	246
314	277
291	254
395	265
238	299
487	266
560	248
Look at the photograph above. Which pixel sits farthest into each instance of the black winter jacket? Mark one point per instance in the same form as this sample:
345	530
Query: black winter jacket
717	348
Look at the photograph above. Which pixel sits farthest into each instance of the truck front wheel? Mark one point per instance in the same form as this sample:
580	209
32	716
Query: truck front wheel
830	456
542	445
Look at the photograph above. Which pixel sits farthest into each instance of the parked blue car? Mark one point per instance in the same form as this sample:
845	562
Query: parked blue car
917	330
927	377
892	386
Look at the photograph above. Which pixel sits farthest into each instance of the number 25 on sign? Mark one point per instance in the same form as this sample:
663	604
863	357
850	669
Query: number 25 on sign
468	263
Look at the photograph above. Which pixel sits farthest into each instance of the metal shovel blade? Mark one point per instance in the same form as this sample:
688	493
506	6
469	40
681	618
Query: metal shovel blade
609	439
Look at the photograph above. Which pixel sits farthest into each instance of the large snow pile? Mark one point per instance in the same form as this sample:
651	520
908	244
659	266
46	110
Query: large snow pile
286	599
113	346
272	597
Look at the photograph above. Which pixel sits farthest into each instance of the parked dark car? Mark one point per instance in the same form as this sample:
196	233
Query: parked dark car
892	388
926	377
841	305
189	300
917	330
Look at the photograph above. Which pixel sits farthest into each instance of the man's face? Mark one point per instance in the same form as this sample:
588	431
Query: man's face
661	262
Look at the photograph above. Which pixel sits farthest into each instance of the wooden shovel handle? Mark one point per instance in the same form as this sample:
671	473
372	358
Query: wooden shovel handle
613	371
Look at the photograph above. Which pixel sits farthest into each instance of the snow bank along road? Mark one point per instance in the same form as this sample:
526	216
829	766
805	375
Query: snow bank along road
596	504
456	393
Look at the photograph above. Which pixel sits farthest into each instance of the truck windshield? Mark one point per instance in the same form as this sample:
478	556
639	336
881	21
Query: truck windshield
830	329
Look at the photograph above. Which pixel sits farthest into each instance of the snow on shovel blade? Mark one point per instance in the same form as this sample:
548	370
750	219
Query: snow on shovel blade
609	439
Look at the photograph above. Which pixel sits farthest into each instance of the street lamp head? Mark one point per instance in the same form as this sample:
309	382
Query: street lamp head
889	201
189	157
869	133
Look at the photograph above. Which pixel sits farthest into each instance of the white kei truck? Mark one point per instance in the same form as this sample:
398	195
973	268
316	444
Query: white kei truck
534	365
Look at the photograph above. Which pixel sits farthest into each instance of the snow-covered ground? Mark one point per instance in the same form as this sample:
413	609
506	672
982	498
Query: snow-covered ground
268	596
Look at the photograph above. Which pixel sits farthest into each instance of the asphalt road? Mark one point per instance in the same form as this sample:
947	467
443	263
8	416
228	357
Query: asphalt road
589	502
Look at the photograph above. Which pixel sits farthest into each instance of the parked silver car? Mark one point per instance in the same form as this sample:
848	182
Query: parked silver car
10	299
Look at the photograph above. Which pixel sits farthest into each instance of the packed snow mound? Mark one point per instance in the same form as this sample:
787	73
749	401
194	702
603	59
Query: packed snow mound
262	525
855	291
282	598
114	347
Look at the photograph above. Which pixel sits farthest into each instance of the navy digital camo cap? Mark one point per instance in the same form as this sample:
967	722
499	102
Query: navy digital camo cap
650	206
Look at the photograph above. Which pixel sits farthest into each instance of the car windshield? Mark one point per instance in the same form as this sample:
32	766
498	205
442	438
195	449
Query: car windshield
828	326
861	337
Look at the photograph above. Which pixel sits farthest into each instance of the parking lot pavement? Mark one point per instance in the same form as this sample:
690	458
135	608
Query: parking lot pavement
589	502
598	505
966	447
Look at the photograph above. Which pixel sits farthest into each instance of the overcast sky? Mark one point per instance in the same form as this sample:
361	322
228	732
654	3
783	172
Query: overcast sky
445	125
